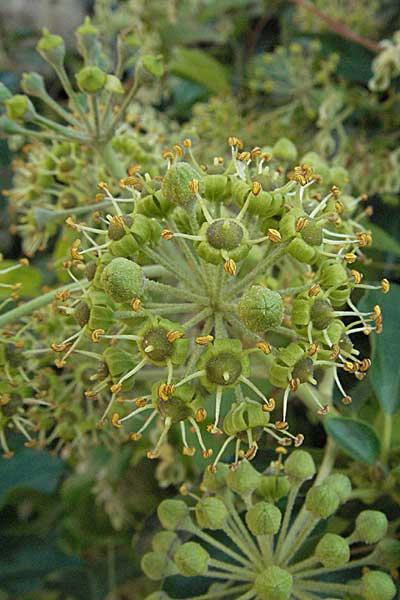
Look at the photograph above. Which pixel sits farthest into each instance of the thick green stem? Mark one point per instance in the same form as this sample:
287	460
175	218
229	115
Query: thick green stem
111	161
32	305
386	438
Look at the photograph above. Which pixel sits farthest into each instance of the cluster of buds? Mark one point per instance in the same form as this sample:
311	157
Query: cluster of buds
100	125
246	536
210	279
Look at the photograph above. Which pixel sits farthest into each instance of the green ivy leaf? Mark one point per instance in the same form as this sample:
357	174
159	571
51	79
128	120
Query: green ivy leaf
383	242
153	64
385	373
356	438
33	469
197	65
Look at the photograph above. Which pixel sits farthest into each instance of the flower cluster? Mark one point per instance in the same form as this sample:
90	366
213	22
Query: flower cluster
207	279
102	125
251	539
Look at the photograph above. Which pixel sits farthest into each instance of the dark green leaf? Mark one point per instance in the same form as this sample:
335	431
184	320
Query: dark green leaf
197	65
356	438
33	469
385	372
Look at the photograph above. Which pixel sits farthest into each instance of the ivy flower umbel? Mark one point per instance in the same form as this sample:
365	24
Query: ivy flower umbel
242	538
190	275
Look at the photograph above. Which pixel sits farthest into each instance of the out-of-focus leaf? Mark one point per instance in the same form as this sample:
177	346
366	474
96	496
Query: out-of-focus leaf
385	372
383	242
196	65
356	438
28	561
34	469
28	276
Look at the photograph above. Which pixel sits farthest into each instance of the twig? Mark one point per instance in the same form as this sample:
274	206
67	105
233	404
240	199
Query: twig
339	28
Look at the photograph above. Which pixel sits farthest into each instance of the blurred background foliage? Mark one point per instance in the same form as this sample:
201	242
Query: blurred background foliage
73	527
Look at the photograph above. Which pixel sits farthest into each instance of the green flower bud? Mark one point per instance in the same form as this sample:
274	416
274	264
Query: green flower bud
387	554
225	234
224	369
376	585
122	279
211	513
52	48
117	228
244	416
178	406
322	314
273	487
332	551
274	584
173	514
175	185
33	84
284	149
153	64
165	542
157	565
91	80
20	108
263	519
244	478
82	313
215	481
300	250
114	85
5	93
90	269
215	187
260	309
312	233
87	38
191	559
341	484
371	526
322	501
300	466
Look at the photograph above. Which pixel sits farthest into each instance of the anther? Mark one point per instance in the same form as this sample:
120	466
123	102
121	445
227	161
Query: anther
230	267
314	290
136	304
301	223
256	188
166	234
96	334
204	340
274	236
194	186
174	335
201	415
265	347
115	420
268	405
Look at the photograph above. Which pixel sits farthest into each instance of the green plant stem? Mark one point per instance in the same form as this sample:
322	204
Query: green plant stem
32	305
264	264
386	438
125	104
63	77
286	519
220	594
110	159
